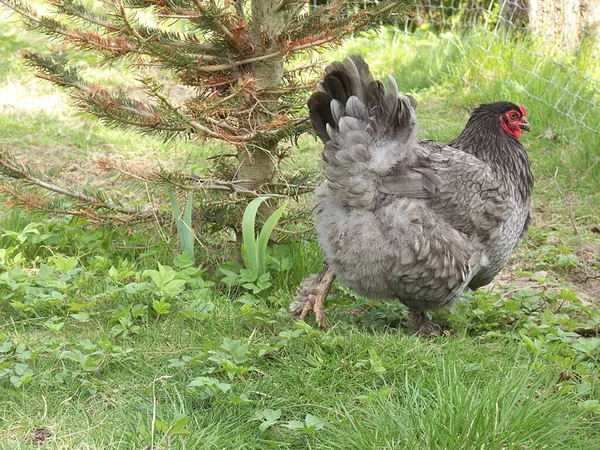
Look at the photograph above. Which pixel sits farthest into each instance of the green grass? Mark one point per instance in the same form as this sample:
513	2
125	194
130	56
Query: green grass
428	399
372	386
111	340
110	359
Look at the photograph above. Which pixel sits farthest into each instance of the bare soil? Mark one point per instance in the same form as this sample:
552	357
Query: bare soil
38	436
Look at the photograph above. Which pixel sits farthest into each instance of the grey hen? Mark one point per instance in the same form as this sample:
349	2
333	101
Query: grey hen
409	219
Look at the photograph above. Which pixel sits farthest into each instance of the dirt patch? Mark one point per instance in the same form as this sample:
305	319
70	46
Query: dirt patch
588	291
86	172
38	436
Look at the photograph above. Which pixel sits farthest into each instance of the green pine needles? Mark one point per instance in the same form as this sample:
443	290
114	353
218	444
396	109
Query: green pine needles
234	72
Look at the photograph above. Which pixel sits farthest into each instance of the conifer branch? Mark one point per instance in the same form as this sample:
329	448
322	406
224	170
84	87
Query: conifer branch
111	47
233	64
339	19
28	201
218	24
31	18
236	61
114	109
158	44
150	42
200	184
124	17
78	11
14	169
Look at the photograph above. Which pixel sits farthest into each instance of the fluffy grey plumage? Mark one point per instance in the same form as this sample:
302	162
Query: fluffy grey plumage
410	219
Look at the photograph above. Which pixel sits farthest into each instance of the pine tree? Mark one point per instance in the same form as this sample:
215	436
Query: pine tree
239	57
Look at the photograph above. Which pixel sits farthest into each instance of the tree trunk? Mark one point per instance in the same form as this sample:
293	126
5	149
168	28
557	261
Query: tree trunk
257	163
514	14
256	166
558	21
590	10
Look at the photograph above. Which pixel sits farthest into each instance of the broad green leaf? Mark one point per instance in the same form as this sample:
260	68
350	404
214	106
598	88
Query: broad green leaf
295	425
268	418
161	306
249	245
178	425
239	400
81	317
590	406
183	261
92	361
265	235
54	326
269	414
314	422
187	236
161	425
174	287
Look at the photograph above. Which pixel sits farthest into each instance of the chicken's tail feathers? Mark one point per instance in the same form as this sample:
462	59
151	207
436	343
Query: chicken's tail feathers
367	129
348	98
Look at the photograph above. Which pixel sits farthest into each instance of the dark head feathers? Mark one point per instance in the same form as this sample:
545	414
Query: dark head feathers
484	119
495	109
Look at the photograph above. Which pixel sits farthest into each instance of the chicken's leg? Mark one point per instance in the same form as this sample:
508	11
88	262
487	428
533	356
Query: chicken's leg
421	324
311	296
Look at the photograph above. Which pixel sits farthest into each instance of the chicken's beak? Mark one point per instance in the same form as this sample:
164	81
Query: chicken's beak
525	125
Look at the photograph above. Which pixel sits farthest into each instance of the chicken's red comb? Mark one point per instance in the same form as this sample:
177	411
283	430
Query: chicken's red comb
523	110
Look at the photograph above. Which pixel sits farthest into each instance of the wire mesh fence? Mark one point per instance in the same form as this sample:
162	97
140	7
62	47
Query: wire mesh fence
550	48
546	50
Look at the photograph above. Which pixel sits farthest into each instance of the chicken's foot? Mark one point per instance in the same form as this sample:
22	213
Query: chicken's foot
421	324
311	296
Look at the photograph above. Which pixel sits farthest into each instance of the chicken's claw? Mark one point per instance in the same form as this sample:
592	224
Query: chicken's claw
423	326
430	329
311	296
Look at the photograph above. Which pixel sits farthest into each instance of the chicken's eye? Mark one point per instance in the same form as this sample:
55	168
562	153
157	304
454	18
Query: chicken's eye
513	116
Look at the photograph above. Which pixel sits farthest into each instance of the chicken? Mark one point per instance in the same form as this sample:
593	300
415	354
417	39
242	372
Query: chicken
409	219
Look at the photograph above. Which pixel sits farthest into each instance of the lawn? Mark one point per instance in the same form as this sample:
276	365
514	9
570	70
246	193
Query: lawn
111	338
